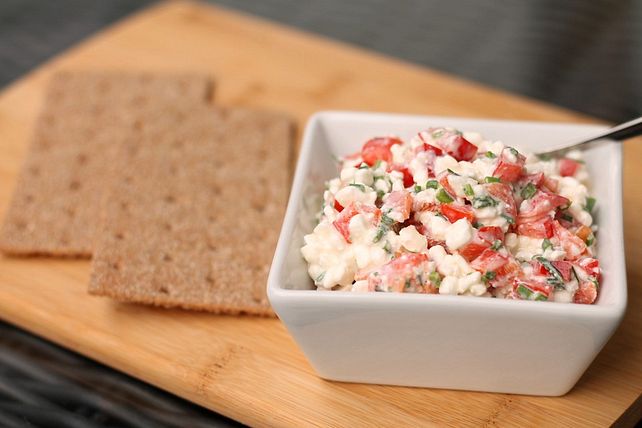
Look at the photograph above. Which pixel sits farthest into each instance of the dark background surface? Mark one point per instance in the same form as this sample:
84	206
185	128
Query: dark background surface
584	55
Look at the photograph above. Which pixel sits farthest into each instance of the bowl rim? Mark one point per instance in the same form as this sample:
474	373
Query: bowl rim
278	294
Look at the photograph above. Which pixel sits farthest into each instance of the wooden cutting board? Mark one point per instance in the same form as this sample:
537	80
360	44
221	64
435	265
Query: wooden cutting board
247	368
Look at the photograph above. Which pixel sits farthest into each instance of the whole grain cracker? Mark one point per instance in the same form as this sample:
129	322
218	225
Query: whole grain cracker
194	219
54	209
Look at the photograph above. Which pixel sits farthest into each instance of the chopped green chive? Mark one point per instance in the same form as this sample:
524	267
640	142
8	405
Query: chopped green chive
468	190
432	184
546	244
496	245
452	172
444	197
358	186
509	219
417	188
384	227
483	202
319	278
524	292
492	180
590	240
529	191
556	279
544	157
380	194
590	204
437	134
364	165
435	278
567	217
490	155
377	164
477	224
488	276
513	151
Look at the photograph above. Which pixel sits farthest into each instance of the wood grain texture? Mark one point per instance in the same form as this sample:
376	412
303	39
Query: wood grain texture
247	368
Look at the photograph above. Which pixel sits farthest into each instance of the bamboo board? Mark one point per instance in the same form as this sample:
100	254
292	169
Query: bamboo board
247	368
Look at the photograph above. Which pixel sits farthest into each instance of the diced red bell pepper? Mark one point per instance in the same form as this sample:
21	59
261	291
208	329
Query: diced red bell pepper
573	245
408	180
568	167
378	149
564	267
504	193
454	212
586	293
591	266
338	206
489	261
454	144
507	169
442	178
483	238
539	228
398	201
402	273
541	204
342	222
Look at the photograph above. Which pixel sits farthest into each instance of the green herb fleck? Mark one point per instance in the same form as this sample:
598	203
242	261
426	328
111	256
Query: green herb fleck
417	188
524	293
319	278
546	244
483	202
490	155
529	191
387	248
590	204
407	284
590	240
364	165
492	180
377	164
566	216
556	277
432	184
509	219
513	151
544	157
380	194
468	190
358	186
435	278
384	227
496	245
488	276
452	172
444	197
477	224
437	134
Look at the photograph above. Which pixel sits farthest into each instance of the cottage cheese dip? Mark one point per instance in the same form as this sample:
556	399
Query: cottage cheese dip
452	213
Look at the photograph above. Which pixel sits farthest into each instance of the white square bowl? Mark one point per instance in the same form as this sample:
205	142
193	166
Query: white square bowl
428	340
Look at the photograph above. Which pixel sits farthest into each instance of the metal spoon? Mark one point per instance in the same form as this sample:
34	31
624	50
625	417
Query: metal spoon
620	132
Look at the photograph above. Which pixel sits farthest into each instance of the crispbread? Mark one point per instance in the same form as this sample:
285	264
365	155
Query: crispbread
54	209
194	218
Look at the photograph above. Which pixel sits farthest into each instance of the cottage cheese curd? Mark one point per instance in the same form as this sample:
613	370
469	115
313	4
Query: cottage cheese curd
452	213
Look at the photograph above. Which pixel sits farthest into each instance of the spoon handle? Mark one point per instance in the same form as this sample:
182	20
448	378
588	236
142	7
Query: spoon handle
623	131
620	132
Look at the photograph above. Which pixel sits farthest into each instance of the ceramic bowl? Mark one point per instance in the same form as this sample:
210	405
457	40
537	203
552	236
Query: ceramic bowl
428	340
